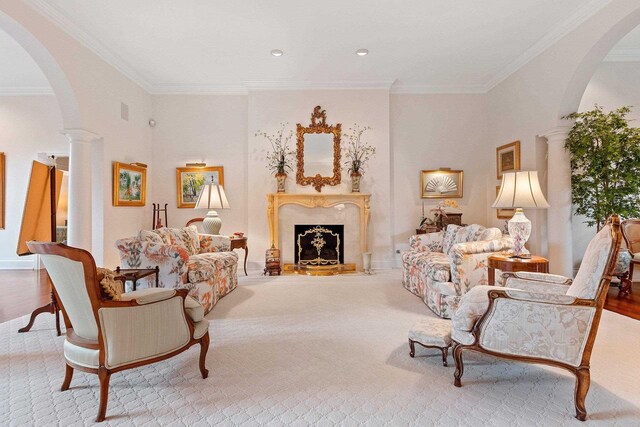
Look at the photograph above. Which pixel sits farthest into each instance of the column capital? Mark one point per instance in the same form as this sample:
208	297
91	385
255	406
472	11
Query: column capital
558	133
80	135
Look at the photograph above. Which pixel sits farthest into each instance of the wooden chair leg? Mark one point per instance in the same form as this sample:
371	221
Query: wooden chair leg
204	347
103	376
457	356
412	348
68	375
445	352
583	380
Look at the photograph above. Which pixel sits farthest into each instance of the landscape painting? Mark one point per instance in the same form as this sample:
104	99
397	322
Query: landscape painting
129	184
189	182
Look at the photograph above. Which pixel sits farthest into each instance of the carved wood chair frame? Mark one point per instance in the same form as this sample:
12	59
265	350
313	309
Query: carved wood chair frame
633	245
99	301
318	125
582	372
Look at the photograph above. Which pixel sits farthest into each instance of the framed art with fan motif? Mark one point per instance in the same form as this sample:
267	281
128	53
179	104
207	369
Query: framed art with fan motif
441	184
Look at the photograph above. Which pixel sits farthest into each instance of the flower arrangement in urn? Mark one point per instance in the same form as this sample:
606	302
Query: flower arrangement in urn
357	154
439	213
280	158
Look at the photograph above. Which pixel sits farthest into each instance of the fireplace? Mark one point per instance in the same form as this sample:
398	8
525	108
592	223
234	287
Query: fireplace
318	245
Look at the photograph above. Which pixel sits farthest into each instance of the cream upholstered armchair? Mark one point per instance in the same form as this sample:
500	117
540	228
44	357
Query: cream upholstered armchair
105	336
541	318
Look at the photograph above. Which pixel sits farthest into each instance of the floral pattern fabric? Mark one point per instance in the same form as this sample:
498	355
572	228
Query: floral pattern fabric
622	263
593	265
178	269
214	243
186	237
441	278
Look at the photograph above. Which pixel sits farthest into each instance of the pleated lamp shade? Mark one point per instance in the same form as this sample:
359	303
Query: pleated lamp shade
520	190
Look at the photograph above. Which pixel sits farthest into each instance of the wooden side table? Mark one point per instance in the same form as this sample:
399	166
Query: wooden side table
241	243
135	274
504	262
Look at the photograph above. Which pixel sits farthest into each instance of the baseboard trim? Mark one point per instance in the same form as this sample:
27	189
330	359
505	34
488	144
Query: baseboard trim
17	264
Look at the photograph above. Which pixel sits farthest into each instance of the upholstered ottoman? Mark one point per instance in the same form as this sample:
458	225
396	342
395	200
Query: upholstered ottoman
431	332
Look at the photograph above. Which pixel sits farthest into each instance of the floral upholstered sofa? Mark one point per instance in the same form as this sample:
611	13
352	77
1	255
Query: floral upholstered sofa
202	263
441	267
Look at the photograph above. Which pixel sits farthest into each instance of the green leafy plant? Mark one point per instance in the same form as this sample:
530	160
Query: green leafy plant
605	165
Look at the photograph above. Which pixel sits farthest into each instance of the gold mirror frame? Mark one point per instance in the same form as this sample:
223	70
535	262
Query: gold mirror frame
318	125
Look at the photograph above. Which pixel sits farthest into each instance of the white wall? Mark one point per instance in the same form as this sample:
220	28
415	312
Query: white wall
29	125
209	129
432	131
613	85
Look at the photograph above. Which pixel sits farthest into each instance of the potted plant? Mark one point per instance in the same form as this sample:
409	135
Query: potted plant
280	158
605	165
357	154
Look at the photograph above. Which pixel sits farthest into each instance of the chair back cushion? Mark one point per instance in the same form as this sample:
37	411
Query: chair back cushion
631	233
593	265
470	233
186	237
68	278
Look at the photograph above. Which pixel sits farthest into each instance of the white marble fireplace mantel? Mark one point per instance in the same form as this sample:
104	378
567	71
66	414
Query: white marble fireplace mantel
310	200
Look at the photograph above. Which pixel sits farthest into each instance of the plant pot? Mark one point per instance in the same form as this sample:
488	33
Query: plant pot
281	178
355	182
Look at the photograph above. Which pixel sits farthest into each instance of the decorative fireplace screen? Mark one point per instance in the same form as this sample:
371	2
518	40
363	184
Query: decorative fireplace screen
319	245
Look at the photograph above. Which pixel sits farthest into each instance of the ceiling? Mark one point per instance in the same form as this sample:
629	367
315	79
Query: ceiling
197	46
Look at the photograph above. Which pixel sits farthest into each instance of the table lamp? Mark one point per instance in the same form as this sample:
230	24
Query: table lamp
520	190
212	197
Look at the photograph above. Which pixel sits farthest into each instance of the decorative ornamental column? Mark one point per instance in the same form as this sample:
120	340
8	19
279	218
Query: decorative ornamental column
79	231
559	233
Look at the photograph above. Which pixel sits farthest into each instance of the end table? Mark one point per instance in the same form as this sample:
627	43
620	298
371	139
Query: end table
505	262
134	274
241	243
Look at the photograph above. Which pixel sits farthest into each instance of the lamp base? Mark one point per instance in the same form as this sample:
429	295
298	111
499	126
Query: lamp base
212	223
520	229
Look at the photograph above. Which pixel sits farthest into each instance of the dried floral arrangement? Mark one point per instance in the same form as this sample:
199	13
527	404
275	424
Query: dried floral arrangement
439	212
356	151
281	157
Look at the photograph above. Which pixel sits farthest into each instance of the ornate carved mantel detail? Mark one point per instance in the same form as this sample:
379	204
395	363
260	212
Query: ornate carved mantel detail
318	125
276	200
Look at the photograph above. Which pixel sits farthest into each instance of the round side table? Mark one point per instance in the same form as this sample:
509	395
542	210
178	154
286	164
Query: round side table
504	262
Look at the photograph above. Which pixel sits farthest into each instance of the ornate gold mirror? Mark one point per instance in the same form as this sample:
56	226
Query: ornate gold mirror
318	151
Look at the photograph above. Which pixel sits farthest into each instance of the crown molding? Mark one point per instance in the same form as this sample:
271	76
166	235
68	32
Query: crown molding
25	90
626	54
319	85
90	42
409	89
196	89
552	37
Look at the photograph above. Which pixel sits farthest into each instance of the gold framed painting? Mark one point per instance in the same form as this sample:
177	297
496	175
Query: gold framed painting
129	184
189	181
507	158
503	213
441	184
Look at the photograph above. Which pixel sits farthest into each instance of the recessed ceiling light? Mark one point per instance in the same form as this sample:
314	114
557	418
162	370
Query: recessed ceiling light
362	52
276	52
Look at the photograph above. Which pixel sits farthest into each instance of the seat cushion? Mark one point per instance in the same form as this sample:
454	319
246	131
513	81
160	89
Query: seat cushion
81	356
431	331
202	267
201	328
194	309
434	265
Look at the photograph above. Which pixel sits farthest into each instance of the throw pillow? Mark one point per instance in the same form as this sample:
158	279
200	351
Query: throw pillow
112	288
491	233
450	237
150	237
186	237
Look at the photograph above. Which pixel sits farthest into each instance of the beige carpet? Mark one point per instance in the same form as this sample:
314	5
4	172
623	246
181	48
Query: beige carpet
318	351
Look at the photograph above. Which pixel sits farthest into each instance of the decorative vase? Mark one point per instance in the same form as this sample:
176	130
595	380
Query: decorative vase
366	262
281	178
355	182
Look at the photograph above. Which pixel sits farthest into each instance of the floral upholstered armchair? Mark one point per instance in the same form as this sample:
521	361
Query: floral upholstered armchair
441	267
542	318
202	263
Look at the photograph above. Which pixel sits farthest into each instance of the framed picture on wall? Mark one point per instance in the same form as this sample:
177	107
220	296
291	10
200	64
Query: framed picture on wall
189	181
441	184
508	158
129	184
504	213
